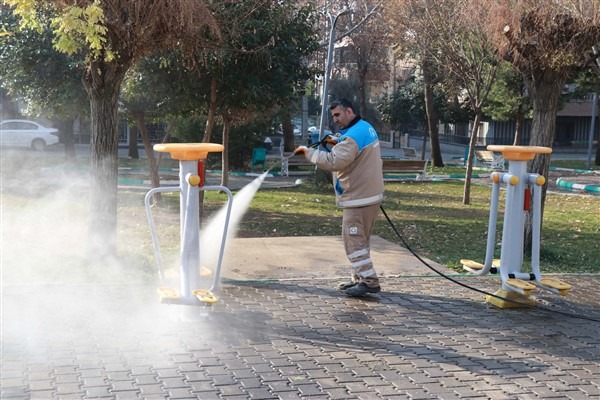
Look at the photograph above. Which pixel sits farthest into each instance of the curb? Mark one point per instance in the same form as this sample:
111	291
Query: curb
561	183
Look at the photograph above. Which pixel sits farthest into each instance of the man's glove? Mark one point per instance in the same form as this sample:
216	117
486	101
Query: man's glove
301	150
331	140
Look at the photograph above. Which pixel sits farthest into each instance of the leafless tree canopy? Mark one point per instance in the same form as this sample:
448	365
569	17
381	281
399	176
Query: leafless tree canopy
545	34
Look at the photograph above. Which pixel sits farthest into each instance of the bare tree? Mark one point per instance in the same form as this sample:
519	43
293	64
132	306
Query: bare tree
368	46
464	49
411	31
547	41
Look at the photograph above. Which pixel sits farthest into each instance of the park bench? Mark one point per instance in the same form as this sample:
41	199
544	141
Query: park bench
486	158
409	153
394	169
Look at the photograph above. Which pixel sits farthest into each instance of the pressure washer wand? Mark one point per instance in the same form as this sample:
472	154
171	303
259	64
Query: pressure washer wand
290	156
322	142
312	145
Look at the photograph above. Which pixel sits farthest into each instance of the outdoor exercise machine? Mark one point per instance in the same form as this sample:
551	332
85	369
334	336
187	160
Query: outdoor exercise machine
516	285
191	158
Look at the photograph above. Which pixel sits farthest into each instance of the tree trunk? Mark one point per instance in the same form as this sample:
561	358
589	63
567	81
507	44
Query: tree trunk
362	91
152	165
132	143
212	112
518	124
225	155
68	138
288	131
425	134
545	92
102	81
170	127
432	118
597	159
104	167
469	173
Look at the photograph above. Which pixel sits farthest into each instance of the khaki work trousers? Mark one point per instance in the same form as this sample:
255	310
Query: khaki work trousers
357	224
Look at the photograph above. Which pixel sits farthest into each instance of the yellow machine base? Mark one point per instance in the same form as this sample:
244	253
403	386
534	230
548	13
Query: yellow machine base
205	296
509	296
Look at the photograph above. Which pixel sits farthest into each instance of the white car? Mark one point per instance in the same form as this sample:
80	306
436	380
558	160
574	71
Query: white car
20	132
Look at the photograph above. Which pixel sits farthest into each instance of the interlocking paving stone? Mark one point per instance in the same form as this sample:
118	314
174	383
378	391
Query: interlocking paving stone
339	393
127	395
261	393
368	396
49	394
286	396
420	338
98	392
281	386
67	389
201	386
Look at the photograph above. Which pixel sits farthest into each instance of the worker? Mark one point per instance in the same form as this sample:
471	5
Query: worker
355	160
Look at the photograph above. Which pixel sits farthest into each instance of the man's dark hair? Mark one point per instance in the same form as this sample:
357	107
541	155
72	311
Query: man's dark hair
341	102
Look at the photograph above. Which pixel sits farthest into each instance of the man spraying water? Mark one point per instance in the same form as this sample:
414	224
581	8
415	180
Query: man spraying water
355	160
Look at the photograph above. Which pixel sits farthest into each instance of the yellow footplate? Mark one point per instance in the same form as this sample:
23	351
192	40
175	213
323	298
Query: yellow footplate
471	264
521	284
168	293
205	296
557	284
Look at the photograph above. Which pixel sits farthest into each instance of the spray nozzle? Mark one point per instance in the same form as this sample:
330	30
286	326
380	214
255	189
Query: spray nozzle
327	142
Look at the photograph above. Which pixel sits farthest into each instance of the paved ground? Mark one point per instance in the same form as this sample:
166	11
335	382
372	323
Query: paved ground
297	337
422	338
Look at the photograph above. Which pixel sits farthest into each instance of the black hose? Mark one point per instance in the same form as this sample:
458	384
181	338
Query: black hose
474	288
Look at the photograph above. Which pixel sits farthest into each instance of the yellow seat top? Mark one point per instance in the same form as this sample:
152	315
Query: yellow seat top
471	264
188	151
519	153
555	283
205	296
168	293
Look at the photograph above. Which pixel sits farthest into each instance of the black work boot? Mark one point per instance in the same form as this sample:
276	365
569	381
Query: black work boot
362	289
347	285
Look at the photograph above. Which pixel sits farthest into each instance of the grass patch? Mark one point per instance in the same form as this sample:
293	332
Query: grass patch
574	164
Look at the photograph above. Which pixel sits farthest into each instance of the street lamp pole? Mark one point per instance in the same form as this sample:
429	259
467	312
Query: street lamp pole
325	98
